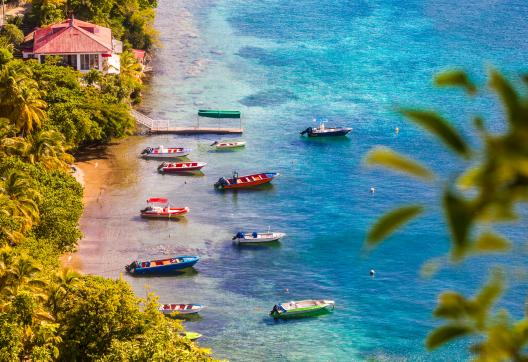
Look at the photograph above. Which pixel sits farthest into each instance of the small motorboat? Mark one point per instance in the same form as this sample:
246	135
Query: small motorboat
171	167
226	145
160	208
164	153
191	335
183	309
323	131
239	182
162	266
257	238
302	308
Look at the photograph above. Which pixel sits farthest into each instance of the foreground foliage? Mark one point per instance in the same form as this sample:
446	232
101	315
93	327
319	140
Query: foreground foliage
489	192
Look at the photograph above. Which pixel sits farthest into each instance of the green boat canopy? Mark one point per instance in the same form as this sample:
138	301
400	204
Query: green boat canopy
211	113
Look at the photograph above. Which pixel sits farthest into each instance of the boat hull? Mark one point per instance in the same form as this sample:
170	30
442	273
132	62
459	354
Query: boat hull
229	145
243	182
180	170
195	308
247	184
310	309
249	240
154	215
165	156
164	269
339	133
302	314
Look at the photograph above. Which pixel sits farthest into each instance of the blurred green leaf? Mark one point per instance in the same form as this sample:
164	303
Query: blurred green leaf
460	218
390	222
452	305
455	78
469	179
491	291
383	156
489	242
444	334
508	96
439	127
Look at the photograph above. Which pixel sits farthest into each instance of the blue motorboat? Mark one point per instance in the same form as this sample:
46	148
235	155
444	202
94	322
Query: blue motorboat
163	266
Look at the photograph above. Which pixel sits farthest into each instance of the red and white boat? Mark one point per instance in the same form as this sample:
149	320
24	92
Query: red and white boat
181	308
172	167
159	208
164	153
239	182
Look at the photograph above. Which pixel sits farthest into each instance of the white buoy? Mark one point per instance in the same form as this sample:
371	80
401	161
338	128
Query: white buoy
397	130
372	272
372	190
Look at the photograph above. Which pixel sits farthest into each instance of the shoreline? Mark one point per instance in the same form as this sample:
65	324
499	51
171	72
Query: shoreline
93	169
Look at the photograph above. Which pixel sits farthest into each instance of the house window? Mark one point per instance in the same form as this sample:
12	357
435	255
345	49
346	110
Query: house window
70	60
89	61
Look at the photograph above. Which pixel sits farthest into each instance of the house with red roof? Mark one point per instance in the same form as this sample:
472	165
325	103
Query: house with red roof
82	45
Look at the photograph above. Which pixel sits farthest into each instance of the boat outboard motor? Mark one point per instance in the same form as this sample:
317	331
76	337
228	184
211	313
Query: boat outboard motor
214	143
147	151
163	164
239	235
221	182
308	130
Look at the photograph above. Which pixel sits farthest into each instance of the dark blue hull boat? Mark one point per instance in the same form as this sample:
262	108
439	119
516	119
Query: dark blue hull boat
163	266
340	132
323	131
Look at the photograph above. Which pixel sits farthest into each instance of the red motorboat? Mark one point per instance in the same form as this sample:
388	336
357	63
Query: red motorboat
159	208
171	167
238	182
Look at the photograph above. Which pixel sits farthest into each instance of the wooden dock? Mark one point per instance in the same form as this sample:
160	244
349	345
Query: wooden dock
156	126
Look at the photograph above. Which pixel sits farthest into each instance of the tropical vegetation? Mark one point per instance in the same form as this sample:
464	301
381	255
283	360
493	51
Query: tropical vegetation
130	20
47	112
491	189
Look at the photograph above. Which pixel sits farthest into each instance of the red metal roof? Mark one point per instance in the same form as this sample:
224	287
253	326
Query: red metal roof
72	36
138	54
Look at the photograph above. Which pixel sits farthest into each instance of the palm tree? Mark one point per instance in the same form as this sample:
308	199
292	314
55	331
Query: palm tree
64	280
17	186
20	97
49	147
130	66
29	110
12	77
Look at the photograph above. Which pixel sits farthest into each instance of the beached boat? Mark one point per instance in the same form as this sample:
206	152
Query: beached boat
238	182
162	266
160	208
257	238
302	308
183	309
323	131
172	167
164	153
225	145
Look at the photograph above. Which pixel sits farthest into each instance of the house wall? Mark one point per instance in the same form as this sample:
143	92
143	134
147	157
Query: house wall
113	61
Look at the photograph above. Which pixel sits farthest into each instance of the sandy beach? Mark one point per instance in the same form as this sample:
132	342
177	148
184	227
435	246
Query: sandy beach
92	172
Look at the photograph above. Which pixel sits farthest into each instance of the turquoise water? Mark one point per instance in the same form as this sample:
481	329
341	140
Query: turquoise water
282	63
